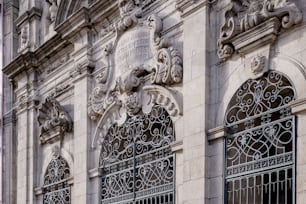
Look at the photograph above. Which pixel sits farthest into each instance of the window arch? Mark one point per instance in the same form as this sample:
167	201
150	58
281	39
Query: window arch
260	142
56	188
136	161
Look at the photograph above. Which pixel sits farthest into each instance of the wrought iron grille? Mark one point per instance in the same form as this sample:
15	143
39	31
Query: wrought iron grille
56	189
260	146
136	160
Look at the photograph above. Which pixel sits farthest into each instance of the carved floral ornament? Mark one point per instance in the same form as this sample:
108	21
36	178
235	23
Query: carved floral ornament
53	119
145	66
244	15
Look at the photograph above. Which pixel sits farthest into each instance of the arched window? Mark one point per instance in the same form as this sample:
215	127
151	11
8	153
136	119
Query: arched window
136	161
56	188
260	142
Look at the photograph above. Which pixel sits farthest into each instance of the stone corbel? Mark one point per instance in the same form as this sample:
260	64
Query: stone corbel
248	25
53	121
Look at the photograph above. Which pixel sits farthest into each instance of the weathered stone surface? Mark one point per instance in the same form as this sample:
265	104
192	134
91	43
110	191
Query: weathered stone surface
100	62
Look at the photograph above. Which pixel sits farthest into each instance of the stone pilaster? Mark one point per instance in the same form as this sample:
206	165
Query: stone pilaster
81	142
28	25
83	66
27	136
298	108
192	188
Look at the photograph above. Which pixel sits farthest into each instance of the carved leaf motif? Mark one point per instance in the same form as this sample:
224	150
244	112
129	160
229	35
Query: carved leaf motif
52	115
169	68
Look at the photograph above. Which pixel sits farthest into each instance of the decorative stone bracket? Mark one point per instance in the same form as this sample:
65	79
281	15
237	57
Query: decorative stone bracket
53	120
249	24
140	66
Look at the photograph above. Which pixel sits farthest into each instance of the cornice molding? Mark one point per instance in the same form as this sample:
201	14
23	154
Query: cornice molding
75	23
33	13
187	7
32	59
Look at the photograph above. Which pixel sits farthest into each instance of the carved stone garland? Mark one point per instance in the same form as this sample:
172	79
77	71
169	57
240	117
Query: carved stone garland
244	15
53	120
140	65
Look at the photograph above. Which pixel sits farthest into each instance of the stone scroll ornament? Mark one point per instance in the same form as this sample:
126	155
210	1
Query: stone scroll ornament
53	119
243	15
140	70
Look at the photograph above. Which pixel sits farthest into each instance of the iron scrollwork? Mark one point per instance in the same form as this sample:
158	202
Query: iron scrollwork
136	159
56	189
260	145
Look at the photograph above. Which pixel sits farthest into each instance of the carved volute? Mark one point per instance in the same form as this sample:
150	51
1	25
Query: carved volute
140	68
252	23
53	120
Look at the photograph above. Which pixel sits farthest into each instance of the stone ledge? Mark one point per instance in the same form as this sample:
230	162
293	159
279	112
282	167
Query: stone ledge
187	7
177	146
52	137
215	133
263	34
93	173
40	189
298	106
34	12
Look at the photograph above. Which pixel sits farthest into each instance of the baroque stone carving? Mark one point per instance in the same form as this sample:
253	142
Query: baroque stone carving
243	15
24	39
258	64
56	151
140	66
53	120
53	10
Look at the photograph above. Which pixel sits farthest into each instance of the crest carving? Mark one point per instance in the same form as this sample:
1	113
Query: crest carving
258	64
53	120
140	65
244	15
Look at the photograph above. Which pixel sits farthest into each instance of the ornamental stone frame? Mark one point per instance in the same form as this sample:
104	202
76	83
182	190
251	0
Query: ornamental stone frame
140	66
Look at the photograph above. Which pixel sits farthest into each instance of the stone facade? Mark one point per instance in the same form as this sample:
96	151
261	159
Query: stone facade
76	68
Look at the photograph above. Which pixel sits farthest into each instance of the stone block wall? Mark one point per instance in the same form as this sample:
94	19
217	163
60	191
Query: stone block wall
73	58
